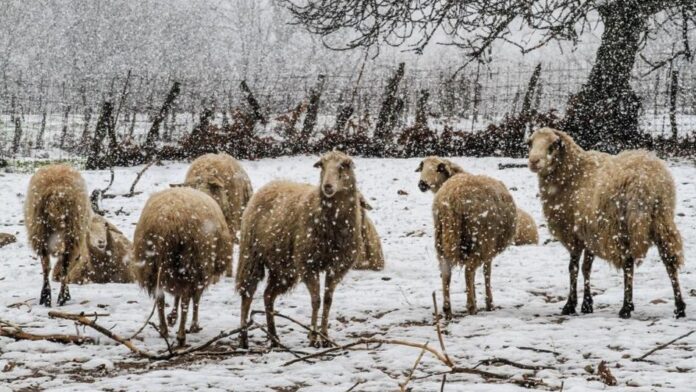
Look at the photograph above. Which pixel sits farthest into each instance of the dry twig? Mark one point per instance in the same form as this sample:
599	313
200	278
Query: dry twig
16	332
413	369
662	346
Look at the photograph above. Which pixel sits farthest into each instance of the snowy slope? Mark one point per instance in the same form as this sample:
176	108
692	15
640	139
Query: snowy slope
530	285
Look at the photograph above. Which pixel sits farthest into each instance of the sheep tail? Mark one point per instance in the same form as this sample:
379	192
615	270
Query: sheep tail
250	270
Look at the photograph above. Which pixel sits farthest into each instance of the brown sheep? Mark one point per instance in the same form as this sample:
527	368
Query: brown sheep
371	256
296	232
182	245
475	219
109	255
435	171
611	206
526	232
56	214
224	179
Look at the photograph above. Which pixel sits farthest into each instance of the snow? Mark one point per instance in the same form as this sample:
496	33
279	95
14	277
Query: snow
530	285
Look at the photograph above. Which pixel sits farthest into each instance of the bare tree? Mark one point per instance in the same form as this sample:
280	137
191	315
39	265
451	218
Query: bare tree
604	112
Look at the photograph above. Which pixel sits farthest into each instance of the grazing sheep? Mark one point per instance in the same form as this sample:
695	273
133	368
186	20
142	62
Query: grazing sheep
526	232
296	232
611	206
224	179
109	255
435	171
371	256
56	214
475	219
182	245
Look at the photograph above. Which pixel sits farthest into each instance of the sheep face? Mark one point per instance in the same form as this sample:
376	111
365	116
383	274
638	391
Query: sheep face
433	173
545	146
336	173
97	233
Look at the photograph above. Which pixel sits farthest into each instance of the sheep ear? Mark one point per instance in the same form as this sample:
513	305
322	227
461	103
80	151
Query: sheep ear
177	185
558	144
318	164
364	204
420	167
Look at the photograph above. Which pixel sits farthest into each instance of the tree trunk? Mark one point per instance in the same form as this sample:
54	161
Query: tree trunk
604	114
422	109
310	120
673	90
253	103
94	160
153	133
385	119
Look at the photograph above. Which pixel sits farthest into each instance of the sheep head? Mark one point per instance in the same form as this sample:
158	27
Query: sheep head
545	148
337	174
434	171
97	233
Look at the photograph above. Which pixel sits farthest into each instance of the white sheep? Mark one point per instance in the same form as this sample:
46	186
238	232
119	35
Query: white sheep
296	232
475	220
56	214
182	245
224	179
611	206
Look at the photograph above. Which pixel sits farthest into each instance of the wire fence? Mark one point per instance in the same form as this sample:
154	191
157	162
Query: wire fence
66	110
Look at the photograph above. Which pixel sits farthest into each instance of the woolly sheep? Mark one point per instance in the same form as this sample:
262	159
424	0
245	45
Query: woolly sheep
435	171
611	206
526	231
223	178
475	219
182	245
56	214
108	258
371	256
296	232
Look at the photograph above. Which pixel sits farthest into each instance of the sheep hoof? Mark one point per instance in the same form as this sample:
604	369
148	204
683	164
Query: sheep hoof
171	318
568	309
680	311
181	341
194	329
326	343
625	312
472	310
45	298
587	307
244	340
63	297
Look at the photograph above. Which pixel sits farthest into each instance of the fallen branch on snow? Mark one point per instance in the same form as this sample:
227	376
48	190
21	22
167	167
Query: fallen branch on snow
660	347
16	332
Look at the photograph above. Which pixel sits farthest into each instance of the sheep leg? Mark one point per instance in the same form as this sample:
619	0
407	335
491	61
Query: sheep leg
469	275
446	274
172	316
312	283
160	312
330	283
45	298
246	307
628	267
181	333
195	327
573	268
64	294
489	291
269	296
673	272
587	293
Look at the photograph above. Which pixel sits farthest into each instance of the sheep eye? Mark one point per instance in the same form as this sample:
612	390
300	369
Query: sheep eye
345	165
420	167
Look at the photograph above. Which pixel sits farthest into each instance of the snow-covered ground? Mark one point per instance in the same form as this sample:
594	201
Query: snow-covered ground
530	285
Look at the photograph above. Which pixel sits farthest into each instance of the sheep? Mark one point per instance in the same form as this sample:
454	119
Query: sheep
435	171
296	232
224	179
611	206
475	219
56	215
108	258
182	244
371	256
526	232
